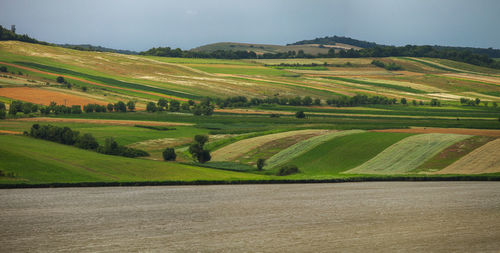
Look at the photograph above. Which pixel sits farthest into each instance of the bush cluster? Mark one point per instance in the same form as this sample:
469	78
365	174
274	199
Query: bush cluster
65	135
287	170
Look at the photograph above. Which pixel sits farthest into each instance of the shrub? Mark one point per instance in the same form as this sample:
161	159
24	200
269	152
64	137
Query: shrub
3	114
300	115
151	107
87	141
3	69
110	107
169	154
60	79
131	106
76	109
260	163
196	149
287	170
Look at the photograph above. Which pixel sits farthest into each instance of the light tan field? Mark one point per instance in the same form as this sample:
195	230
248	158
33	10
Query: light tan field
425	130
485	159
488	79
105	121
239	148
44	96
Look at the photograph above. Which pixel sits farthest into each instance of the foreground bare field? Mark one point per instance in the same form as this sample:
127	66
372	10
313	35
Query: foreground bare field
353	217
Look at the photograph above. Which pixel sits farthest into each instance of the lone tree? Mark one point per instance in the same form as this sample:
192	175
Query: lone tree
403	101
60	79
260	163
300	115
196	149
169	154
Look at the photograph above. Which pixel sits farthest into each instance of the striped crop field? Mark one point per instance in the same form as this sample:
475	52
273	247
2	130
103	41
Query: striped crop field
485	159
407	154
303	147
237	149
345	152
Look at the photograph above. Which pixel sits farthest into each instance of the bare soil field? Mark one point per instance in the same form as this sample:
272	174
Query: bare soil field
485	159
425	130
105	121
347	217
44	97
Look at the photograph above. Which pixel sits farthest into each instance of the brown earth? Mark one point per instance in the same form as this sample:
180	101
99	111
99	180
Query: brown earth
485	159
347	217
424	130
9	132
44	97
105	121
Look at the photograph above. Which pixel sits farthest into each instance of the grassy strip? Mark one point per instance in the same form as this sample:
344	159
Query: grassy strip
302	147
106	80
383	85
414	178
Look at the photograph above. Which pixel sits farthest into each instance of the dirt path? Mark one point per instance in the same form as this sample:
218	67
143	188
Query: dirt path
90	82
105	121
425	130
485	159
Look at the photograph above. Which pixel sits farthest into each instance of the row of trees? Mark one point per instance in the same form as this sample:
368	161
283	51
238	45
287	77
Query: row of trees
391	66
65	135
376	51
476	102
27	107
205	107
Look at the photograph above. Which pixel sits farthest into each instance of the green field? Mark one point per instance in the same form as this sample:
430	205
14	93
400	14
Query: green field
347	151
37	161
344	152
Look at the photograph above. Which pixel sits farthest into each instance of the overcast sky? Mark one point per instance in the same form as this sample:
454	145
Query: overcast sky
140	25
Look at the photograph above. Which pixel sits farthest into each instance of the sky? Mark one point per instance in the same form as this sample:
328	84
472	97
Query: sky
139	25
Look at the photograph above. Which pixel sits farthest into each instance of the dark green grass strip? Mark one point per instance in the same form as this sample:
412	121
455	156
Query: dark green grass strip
412	178
383	85
106	80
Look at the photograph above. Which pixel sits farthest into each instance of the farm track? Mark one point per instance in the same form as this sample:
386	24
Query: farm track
90	82
485	159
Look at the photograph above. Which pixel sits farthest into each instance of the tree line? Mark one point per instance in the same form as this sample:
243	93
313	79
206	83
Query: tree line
377	51
67	136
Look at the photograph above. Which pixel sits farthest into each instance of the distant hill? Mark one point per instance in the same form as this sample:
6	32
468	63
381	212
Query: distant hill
334	40
337	39
259	49
88	47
